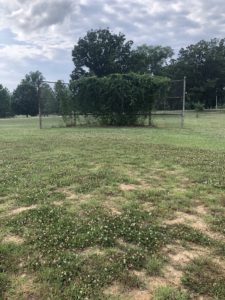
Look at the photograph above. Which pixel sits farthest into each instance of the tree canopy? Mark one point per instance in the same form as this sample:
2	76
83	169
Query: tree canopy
25	96
101	52
204	65
5	105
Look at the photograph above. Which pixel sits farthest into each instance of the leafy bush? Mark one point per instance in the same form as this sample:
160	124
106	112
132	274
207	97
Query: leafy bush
116	99
198	107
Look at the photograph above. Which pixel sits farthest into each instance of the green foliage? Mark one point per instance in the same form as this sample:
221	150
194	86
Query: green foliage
118	98
25	100
25	96
205	277
102	53
204	65
199	107
154	58
170	293
5	104
64	101
48	100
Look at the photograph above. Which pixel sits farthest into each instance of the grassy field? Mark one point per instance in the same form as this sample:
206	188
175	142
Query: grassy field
113	213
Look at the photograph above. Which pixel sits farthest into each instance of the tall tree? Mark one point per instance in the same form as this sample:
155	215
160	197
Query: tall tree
151	59
63	98
204	65
48	99
33	78
101	53
25	96
25	100
5	109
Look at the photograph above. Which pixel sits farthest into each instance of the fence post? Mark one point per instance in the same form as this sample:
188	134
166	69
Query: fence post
39	104
149	118
183	108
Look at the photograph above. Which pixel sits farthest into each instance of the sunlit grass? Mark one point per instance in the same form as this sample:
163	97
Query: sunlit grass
84	208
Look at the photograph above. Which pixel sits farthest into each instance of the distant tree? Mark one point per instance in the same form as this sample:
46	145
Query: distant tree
33	78
25	96
49	102
63	99
101	53
25	100
5	105
204	65
152	59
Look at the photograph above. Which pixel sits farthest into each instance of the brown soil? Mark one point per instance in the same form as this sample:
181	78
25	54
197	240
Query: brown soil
128	187
22	209
196	222
13	239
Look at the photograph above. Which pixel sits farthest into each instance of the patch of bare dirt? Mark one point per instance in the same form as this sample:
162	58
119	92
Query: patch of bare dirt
93	251
117	289
25	288
22	209
180	256
128	187
138	295
196	222
58	203
147	206
111	207
124	245
13	239
201	210
113	289
69	194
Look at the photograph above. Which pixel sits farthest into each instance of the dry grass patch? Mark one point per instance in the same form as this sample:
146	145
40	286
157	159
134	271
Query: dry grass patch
117	290
68	193
58	203
25	288
19	210
13	239
112	208
92	251
180	256
147	206
196	222
128	187
201	210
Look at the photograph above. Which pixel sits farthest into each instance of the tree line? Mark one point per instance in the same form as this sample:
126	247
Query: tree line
101	53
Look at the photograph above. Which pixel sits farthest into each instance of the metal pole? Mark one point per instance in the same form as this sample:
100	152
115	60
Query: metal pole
184	99
216	99
39	104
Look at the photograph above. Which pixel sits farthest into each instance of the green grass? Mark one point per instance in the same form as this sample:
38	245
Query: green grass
168	293
98	200
203	273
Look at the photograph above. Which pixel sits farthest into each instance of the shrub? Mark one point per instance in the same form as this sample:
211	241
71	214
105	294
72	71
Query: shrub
117	99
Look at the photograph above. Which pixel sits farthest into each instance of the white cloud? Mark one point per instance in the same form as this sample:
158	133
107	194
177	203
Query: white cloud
47	30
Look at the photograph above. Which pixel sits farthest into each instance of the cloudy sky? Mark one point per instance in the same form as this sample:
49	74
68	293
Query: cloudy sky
40	34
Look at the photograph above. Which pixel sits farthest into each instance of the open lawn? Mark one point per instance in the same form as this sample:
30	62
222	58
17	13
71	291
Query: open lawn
113	213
